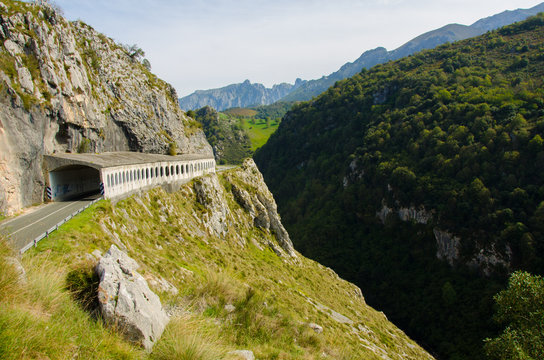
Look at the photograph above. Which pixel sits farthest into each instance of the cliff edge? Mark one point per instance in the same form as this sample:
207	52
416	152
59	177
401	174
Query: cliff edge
66	88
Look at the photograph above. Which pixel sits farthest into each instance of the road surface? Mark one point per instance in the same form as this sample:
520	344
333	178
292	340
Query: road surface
23	229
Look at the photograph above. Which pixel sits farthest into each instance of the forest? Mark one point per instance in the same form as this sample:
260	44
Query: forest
457	131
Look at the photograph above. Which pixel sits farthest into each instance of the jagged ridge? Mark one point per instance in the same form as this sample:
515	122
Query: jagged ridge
245	94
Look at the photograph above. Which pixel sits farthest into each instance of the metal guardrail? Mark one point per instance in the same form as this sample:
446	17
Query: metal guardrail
46	234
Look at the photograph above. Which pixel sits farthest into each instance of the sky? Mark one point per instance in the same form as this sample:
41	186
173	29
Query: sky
204	44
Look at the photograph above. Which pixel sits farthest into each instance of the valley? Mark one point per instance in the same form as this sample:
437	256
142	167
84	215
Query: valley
393	209
420	180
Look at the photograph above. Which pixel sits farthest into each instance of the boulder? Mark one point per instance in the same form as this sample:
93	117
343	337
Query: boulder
243	354
126	300
317	328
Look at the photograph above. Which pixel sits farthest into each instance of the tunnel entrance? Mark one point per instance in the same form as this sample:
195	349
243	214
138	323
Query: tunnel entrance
73	181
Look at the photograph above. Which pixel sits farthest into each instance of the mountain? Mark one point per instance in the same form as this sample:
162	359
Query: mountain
420	180
245	94
65	87
223	267
229	140
429	40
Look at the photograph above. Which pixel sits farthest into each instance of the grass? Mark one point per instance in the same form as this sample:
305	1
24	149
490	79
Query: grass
241	112
39	319
54	311
258	132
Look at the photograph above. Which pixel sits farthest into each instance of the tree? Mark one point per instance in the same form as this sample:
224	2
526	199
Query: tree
146	64
521	308
134	52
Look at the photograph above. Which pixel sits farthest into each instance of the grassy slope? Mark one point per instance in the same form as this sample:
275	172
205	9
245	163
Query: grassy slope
259	132
165	234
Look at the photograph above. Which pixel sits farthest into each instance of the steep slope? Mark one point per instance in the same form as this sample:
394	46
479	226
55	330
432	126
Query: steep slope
218	256
230	143
245	94
435	156
65	87
429	40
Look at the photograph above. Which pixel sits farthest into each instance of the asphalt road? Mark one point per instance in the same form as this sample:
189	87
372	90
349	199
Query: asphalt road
23	229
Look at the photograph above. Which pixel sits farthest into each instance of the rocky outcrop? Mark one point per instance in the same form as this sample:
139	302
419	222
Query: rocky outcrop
251	192
447	246
126	301
488	260
238	95
209	193
417	215
64	88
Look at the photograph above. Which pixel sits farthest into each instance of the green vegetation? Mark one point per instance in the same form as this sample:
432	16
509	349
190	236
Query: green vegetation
172	149
259	130
260	122
521	308
84	146
39	319
230	142
457	130
52	315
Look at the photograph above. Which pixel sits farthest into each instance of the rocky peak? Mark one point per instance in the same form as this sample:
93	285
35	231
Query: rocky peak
251	192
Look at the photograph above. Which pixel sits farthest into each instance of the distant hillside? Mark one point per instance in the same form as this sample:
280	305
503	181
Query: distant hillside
241	95
429	40
229	140
421	180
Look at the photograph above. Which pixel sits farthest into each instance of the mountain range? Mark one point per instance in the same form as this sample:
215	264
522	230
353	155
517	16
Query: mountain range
246	94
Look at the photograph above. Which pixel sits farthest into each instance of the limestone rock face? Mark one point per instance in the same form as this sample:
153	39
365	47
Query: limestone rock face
126	300
209	193
63	84
447	246
251	192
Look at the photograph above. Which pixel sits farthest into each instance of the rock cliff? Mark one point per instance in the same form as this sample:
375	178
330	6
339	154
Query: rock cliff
64	88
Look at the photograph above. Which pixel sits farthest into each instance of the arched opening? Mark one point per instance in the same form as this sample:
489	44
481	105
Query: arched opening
74	181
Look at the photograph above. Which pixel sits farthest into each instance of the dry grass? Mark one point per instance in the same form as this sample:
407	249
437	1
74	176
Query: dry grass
40	320
185	339
269	293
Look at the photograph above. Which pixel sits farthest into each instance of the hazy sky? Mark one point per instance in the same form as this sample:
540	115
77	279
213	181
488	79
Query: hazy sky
202	44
